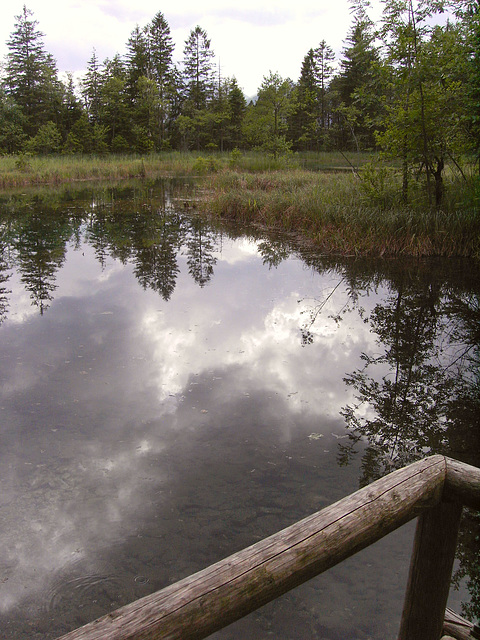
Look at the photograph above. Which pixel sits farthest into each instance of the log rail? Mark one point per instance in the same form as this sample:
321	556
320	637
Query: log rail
433	489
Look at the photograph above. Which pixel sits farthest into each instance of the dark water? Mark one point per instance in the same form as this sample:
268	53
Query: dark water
171	392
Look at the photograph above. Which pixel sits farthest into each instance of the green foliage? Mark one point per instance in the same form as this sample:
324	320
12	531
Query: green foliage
79	138
197	63
277	146
266	121
30	74
234	158
471	22
91	88
22	163
417	97
377	184
12	125
47	140
356	88
142	142
426	70
120	145
206	165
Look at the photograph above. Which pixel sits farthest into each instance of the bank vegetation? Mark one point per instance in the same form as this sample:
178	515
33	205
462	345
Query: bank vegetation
355	211
347	204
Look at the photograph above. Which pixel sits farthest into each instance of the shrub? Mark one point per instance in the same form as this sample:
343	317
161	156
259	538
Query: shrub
205	165
47	140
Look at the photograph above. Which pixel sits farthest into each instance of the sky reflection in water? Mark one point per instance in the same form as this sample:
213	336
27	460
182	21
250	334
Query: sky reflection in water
144	438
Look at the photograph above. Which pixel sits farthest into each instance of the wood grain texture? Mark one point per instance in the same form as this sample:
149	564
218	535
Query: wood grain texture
462	483
456	626
230	589
430	572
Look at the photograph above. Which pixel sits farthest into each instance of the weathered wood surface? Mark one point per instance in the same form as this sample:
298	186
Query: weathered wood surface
430	572
456	626
210	599
462	483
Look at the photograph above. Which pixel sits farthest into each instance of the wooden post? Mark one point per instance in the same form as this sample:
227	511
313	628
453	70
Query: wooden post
430	572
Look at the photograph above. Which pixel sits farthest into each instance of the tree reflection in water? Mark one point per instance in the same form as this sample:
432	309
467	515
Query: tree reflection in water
133	225
416	394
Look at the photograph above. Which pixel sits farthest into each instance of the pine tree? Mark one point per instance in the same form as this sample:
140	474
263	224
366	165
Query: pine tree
303	121
324	58
72	107
91	89
159	52
355	87
136	60
198	69
160	71
237	108
150	81
31	74
114	108
12	125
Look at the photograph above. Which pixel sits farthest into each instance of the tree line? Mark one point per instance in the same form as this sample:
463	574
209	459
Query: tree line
409	84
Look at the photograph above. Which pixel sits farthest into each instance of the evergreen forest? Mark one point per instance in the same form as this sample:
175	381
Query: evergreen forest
407	84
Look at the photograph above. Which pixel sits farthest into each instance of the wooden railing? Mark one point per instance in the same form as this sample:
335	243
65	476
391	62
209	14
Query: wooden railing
435	489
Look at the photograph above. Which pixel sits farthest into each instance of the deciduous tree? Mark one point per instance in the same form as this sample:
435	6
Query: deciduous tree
426	66
270	113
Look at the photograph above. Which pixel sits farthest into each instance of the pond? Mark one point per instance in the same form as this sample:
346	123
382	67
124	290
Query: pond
173	390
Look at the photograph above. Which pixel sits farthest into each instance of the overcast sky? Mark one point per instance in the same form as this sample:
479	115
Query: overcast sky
249	38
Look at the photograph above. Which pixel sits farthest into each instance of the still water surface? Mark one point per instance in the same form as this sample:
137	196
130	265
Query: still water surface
171	392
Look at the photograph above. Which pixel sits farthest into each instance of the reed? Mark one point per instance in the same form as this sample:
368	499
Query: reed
339	213
19	171
347	205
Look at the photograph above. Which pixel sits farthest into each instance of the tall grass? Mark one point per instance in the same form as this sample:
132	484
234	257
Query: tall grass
350	203
24	170
19	171
341	213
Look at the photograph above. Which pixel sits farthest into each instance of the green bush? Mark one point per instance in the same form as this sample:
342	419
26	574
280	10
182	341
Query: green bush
47	140
234	158
376	184
23	163
206	165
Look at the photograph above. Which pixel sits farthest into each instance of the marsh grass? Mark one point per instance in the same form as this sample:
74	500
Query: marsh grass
27	170
339	213
344	203
19	171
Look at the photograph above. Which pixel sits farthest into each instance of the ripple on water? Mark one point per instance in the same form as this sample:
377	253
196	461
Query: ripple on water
85	596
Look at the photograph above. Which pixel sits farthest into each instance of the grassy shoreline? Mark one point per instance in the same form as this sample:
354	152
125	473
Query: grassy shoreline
23	170
340	214
20	171
316	196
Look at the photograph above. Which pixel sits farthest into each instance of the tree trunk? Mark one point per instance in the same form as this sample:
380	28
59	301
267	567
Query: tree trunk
405	179
439	182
